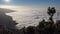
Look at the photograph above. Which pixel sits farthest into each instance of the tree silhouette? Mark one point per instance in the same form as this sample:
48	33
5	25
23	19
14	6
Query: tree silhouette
30	30
51	12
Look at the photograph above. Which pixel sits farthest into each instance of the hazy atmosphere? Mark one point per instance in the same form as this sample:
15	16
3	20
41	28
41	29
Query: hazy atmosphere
29	12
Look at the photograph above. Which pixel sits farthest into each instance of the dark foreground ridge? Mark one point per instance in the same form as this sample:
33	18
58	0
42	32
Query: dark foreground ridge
7	25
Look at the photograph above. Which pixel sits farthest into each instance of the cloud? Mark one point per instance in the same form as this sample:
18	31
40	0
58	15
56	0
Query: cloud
26	15
22	8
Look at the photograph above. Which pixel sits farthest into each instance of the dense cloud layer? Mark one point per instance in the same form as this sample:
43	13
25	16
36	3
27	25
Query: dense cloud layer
28	16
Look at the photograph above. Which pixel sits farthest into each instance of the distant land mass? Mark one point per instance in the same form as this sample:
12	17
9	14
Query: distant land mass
6	20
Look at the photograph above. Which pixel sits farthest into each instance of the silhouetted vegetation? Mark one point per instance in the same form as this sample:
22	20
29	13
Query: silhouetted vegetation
44	27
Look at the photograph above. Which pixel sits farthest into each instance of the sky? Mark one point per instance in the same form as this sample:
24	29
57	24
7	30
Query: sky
31	2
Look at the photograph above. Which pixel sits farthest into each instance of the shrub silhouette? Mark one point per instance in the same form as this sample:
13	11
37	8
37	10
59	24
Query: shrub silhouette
30	30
